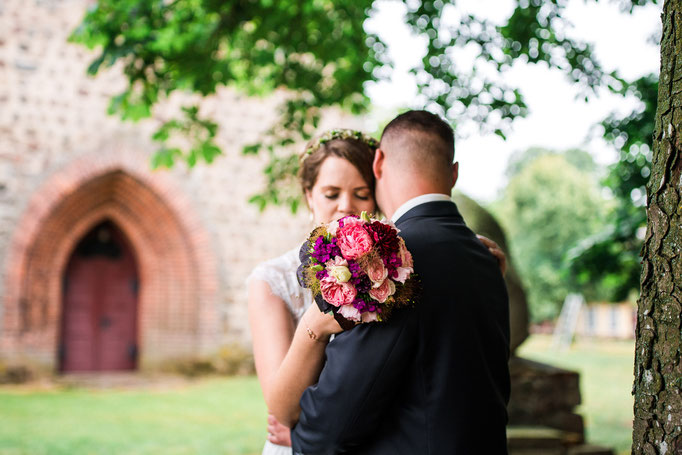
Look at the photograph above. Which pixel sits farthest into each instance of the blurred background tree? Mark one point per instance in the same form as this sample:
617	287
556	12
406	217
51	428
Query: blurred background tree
552	202
610	258
320	52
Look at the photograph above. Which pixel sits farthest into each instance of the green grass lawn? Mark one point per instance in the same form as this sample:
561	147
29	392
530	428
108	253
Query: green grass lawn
210	416
606	378
227	415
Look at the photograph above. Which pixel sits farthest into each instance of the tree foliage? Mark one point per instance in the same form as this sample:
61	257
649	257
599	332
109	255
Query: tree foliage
320	52
196	46
549	205
610	258
579	159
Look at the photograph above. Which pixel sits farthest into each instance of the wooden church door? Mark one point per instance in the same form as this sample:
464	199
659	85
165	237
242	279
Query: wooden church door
99	318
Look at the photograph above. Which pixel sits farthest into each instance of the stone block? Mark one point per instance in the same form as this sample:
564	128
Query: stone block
534	440
589	449
540	389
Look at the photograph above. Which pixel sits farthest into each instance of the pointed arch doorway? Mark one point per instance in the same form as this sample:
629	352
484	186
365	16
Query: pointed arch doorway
99	326
178	293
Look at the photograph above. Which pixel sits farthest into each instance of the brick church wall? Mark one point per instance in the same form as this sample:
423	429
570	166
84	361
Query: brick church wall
55	136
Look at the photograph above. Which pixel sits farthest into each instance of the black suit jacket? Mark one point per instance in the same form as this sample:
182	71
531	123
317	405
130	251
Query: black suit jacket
433	379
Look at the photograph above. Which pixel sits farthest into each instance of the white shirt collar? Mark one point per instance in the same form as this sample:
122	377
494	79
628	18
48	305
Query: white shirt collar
415	201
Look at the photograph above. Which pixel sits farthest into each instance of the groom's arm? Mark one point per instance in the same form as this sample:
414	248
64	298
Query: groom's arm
358	383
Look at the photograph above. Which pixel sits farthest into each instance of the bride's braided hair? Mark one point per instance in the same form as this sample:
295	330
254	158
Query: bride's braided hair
353	146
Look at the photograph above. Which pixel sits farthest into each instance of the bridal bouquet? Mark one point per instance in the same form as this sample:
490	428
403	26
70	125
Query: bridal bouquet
358	268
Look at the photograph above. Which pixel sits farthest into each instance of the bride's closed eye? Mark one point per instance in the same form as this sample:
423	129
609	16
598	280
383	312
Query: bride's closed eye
336	195
362	194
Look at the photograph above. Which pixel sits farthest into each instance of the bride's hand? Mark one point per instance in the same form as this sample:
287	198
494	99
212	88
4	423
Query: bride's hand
321	324
278	433
496	251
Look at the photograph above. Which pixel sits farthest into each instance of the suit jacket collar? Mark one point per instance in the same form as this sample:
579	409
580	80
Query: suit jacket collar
428	209
417	200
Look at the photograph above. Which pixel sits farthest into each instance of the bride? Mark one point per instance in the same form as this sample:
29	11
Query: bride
337	180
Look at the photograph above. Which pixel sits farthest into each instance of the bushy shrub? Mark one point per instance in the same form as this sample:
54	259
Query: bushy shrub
229	360
15	374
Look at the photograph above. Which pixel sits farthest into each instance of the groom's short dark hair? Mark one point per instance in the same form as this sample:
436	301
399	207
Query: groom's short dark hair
414	124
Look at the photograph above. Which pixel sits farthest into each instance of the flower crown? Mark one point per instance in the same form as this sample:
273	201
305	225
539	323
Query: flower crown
331	135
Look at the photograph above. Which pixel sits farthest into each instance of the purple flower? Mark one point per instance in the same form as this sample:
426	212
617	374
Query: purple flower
323	252
320	274
393	261
354	268
362	283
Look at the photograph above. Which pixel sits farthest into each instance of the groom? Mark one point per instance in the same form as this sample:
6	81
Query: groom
433	379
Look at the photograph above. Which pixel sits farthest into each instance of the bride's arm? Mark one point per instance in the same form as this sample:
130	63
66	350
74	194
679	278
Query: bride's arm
272	328
302	364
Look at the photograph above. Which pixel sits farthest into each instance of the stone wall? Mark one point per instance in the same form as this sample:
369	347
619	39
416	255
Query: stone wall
55	137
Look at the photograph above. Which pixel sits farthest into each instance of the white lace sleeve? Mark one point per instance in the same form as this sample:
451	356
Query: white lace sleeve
280	275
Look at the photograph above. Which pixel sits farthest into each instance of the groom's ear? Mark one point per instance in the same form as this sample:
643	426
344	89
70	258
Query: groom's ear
455	172
377	165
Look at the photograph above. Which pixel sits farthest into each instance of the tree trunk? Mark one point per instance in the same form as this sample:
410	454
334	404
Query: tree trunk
658	365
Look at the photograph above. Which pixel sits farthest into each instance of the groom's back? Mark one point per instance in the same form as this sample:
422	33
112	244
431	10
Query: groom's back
433	378
456	393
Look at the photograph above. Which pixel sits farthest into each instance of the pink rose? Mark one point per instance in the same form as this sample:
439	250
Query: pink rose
369	316
350	312
403	273
376	271
336	261
353	240
351	220
405	255
337	293
383	292
407	267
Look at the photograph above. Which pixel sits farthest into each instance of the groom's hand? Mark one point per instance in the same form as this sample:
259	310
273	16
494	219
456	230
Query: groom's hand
278	433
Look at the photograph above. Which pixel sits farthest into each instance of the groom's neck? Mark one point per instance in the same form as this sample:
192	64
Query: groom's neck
410	190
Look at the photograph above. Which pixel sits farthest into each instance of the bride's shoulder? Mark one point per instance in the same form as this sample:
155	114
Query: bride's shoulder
277	276
276	271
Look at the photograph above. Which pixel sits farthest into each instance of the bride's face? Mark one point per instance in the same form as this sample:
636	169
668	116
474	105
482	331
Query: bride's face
339	190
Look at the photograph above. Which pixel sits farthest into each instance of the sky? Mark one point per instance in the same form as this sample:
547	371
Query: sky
557	119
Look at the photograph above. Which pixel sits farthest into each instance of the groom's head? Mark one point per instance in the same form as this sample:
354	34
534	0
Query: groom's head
416	156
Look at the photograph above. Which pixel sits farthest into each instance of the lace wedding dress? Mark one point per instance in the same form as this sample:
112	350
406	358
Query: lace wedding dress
280	274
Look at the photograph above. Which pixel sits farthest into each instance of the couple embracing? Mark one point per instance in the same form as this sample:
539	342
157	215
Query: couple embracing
432	379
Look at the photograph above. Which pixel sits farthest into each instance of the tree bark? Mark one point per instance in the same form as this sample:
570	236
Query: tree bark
658	366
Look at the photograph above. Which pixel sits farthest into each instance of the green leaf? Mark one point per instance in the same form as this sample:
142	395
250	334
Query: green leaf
251	149
93	68
258	200
210	152
165	157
